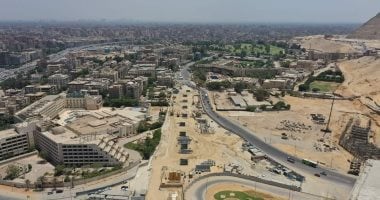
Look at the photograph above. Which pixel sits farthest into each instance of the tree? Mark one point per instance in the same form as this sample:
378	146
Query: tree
285	64
12	172
118	59
43	154
240	86
261	94
267	48
279	105
304	87
59	170
243	54
251	108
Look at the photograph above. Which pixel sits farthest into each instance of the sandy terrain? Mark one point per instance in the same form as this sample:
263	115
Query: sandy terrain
319	43
221	147
236	187
302	143
362	77
17	193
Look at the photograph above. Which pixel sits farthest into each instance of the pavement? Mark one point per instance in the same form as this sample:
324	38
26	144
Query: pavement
200	188
332	177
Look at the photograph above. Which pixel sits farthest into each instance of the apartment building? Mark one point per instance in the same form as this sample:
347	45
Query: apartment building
62	146
59	80
16	141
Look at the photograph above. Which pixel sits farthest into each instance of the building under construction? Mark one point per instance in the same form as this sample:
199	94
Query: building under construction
355	139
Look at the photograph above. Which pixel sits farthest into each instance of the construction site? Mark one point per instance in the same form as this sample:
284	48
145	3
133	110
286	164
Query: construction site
193	145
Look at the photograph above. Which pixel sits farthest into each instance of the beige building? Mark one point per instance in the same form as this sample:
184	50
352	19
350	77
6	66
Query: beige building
17	141
87	102
50	106
62	146
59	80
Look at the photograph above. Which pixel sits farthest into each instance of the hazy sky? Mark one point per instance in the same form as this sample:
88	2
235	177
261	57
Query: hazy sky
315	11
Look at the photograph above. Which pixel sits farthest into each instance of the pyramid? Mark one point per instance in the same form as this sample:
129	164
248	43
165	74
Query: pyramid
368	31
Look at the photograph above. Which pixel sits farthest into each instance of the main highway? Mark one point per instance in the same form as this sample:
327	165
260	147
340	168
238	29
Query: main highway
333	176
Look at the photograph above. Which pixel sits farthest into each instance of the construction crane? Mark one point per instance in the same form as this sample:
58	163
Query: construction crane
327	129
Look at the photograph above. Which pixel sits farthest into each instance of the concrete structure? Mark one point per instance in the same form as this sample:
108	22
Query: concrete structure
133	90
47	107
276	83
59	80
238	101
76	86
367	186
116	91
16	141
147	70
65	147
116	122
88	102
50	106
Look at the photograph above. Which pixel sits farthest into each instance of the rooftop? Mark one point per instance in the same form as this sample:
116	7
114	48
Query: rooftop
7	133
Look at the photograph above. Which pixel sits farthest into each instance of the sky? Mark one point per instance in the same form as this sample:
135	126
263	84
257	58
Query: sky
198	11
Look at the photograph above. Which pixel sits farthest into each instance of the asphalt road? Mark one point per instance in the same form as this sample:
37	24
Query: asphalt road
280	156
199	189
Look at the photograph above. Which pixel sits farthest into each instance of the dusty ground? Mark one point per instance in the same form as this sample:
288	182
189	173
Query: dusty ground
362	77
215	146
221	146
302	143
319	43
18	193
236	187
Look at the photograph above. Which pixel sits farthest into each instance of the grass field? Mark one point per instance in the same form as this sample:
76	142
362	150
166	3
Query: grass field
235	195
324	86
256	49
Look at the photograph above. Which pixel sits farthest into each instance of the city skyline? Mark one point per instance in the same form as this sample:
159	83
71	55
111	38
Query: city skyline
207	11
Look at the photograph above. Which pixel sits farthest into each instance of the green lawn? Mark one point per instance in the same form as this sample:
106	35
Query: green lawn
324	86
274	50
235	195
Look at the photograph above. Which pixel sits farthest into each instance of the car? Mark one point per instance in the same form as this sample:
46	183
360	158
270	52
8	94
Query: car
323	173
317	175
50	193
291	160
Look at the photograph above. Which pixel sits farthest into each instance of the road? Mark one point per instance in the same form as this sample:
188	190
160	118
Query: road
280	156
199	189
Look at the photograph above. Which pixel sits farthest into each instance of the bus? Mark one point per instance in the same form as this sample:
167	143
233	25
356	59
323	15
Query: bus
310	163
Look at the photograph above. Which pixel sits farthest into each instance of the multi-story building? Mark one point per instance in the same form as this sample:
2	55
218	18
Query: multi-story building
133	90
147	70
59	80
64	147
76	86
116	91
79	100
16	141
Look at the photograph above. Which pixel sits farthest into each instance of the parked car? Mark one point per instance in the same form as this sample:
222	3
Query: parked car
323	173
317	175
